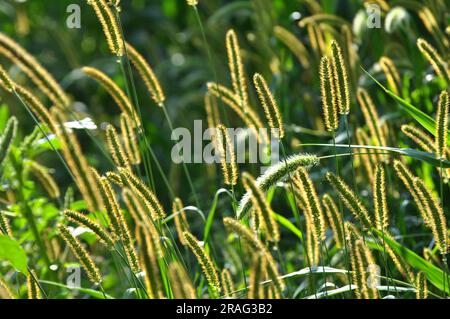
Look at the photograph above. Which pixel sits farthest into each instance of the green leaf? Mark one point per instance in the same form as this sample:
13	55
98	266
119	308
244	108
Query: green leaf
11	251
91	292
290	226
423	119
433	273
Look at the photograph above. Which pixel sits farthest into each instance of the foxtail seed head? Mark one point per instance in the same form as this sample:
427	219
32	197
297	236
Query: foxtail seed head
115	148
147	75
257	276
340	75
269	104
227	284
181	222
236	67
7	138
148	258
251	118
421	286
391	73
262	208
45	179
334	219
5	228
97	229
407	178
371	116
442	125
379	199
274	174
419	137
437	220
291	41
114	91
205	261
182	285
130	139
138	186
34	70
33	289
433	57
255	245
350	199
81	254
312	204
110	26
227	156
5	81
329	98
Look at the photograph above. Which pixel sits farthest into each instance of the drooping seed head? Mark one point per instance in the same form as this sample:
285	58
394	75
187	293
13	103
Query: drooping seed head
147	75
437	220
437	62
81	254
274	174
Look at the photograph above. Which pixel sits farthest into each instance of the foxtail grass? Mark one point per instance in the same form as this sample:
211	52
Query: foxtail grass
81	254
130	139
274	174
228	288
33	289
391	73
269	105
45	179
7	137
329	98
291	41
435	59
34	70
262	208
109	25
238	79
84	221
351	200
208	268
115	148
227	156
182	286
147	75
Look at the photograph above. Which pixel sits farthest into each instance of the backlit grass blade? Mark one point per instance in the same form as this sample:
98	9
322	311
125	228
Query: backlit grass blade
423	119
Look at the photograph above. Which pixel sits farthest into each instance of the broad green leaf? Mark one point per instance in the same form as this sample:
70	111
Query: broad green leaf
423	119
433	273
11	251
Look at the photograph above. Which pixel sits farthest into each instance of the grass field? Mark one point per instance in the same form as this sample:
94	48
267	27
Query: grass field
128	132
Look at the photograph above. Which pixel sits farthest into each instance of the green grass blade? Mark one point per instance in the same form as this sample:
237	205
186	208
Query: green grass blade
418	155
433	273
423	119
